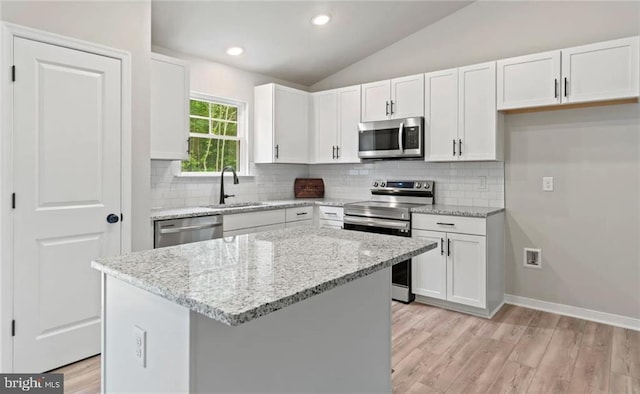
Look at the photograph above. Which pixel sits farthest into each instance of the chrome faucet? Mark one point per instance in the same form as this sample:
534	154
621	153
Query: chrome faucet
235	182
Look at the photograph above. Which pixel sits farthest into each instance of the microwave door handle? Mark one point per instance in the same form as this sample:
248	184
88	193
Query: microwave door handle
400	133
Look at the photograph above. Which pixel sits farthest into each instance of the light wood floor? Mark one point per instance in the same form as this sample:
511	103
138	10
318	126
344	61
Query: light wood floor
518	351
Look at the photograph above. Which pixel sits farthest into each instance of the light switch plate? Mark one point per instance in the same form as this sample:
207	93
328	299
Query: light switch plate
483	183
547	183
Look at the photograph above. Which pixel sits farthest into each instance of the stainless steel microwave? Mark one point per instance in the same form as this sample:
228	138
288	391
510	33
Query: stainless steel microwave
398	138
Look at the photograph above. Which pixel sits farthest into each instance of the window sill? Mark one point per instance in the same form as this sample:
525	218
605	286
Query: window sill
206	175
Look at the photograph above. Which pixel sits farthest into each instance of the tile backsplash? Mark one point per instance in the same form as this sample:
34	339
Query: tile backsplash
456	183
269	182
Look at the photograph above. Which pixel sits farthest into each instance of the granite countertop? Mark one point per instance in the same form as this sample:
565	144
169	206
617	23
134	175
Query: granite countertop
457	210
236	280
176	213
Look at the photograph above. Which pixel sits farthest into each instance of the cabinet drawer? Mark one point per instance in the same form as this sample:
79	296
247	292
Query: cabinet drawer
252	230
299	213
299	223
450	224
330	224
253	219
331	213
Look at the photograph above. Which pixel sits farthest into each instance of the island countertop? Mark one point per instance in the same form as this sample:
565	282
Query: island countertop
235	280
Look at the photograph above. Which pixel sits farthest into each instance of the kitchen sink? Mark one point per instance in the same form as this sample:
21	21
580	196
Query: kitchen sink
235	205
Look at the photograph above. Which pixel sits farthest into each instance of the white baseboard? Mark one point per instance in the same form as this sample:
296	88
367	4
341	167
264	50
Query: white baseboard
573	311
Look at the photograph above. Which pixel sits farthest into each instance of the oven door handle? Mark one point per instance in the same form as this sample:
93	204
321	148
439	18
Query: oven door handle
371	222
400	134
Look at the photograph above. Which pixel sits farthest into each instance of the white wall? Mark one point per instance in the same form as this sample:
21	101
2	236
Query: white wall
491	30
268	182
589	226
122	25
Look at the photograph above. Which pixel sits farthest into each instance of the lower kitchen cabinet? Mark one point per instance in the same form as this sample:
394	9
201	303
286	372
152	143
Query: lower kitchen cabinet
466	271
251	230
330	217
299	223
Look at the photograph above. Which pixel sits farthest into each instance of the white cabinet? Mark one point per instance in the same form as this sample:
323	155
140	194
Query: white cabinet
330	217
529	81
429	270
336	114
393	99
466	270
597	72
604	71
461	120
280	124
299	223
272	219
169	105
299	213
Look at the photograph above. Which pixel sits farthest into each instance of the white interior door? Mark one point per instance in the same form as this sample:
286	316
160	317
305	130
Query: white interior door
67	174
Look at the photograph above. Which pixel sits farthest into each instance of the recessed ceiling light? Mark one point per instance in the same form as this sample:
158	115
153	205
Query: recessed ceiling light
320	20
235	51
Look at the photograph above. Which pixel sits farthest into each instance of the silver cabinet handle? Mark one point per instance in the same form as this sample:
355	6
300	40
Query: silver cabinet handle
337	152
333	152
460	148
392	107
277	151
454	147
555	88
446	224
331	213
441	246
565	87
387	108
301	213
188	228
400	134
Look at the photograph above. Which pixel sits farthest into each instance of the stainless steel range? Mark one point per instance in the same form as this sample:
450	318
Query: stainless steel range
389	212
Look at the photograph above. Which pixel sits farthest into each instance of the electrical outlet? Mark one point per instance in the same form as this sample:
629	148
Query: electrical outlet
140	337
483	183
533	258
547	183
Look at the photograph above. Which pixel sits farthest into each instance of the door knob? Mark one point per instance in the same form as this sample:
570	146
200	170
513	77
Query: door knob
113	218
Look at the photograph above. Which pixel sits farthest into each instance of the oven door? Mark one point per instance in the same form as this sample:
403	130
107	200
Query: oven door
400	272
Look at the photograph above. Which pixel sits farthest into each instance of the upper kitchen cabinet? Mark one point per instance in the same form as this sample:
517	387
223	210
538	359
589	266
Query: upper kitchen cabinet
393	99
461	120
336	114
604	71
529	81
169	108
590	73
281	125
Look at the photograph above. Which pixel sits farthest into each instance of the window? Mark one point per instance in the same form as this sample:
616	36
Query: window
215	135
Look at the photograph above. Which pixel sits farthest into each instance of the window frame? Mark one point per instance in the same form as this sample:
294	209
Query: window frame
241	134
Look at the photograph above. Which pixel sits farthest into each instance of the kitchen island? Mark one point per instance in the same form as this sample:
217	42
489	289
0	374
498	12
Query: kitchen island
295	310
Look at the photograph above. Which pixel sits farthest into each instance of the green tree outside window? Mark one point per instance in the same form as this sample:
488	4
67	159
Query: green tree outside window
213	137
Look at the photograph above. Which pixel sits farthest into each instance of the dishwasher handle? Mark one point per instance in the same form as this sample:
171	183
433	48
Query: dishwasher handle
174	230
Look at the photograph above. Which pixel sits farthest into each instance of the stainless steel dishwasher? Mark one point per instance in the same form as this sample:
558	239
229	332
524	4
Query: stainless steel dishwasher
186	230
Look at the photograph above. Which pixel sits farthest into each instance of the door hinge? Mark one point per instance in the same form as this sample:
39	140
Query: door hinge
13	73
13	328
13	200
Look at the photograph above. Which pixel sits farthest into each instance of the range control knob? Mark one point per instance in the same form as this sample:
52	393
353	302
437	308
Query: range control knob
382	184
427	186
418	185
375	184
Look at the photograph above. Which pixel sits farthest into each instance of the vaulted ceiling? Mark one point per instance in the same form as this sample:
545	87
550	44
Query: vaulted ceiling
278	37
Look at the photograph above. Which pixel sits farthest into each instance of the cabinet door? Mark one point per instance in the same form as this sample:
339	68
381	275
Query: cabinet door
299	223
429	270
348	119
291	125
467	269
169	107
603	71
325	109
337	224
529	81
477	116
407	97
441	115
375	101
251	230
